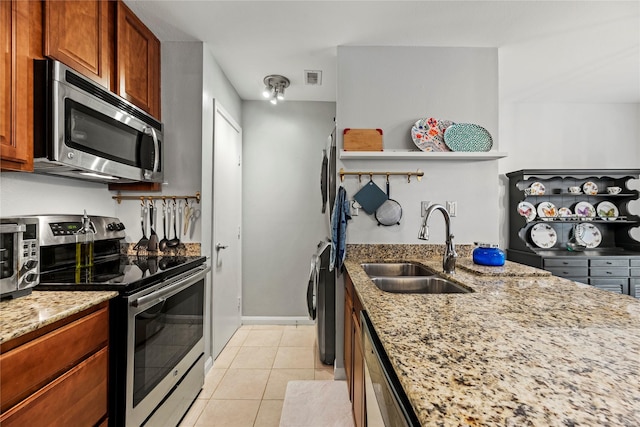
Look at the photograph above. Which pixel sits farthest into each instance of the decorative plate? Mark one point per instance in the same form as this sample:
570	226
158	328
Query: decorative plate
527	210
543	235
585	210
467	137
588	235
547	211
608	211
565	213
537	189
428	134
590	188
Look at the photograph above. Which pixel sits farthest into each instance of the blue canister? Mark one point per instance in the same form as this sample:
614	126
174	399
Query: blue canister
488	254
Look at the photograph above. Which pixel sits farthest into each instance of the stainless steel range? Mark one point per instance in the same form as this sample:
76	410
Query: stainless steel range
156	323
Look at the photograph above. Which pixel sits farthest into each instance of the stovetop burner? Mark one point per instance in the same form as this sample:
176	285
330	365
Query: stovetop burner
122	273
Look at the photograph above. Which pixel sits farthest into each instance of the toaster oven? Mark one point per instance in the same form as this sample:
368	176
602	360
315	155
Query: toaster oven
19	256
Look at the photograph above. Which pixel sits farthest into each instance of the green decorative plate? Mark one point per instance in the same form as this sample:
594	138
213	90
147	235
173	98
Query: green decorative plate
467	137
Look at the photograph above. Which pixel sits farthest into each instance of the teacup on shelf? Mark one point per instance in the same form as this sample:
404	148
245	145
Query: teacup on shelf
613	190
574	190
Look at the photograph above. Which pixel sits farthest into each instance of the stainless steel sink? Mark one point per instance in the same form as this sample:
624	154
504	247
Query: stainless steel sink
394	269
419	285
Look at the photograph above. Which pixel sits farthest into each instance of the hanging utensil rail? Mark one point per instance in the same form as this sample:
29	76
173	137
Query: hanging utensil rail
419	174
120	197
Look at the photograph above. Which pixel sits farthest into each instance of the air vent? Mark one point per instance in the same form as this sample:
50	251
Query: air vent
313	77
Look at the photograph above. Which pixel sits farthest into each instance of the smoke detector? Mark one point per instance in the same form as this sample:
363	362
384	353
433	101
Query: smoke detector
313	77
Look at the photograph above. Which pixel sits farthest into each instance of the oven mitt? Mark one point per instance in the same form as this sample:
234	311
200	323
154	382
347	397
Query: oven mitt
370	197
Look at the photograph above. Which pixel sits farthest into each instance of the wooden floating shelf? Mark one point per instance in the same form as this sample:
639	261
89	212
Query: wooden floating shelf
420	155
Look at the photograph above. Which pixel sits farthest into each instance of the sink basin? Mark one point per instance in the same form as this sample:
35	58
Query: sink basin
419	285
394	269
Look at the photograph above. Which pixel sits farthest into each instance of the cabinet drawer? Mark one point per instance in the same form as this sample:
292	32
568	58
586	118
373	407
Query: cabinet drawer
635	272
569	271
609	272
635	263
609	263
30	366
620	286
79	397
565	263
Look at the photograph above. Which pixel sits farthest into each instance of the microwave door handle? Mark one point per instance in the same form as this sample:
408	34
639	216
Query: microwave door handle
156	147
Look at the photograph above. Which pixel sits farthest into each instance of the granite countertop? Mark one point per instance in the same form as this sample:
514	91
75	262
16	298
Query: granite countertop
40	308
529	349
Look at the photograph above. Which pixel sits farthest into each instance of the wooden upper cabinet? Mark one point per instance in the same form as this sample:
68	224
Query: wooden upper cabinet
79	34
21	42
138	62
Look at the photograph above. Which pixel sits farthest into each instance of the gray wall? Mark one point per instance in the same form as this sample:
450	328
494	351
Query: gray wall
282	219
391	88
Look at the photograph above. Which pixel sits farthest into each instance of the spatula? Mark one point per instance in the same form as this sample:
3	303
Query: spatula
153	238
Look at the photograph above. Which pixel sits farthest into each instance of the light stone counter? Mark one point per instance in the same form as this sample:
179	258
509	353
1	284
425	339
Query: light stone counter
531	350
25	314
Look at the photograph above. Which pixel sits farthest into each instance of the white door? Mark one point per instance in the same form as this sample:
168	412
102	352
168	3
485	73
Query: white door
227	215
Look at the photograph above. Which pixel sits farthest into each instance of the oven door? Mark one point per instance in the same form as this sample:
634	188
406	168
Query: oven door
164	340
9	256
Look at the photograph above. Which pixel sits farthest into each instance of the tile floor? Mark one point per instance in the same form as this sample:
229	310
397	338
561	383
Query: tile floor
247	383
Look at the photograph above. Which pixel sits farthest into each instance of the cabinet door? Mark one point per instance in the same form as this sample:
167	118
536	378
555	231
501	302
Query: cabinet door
138	62
78	34
358	376
16	86
78	398
348	343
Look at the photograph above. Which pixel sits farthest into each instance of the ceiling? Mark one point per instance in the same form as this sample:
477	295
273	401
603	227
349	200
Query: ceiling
551	51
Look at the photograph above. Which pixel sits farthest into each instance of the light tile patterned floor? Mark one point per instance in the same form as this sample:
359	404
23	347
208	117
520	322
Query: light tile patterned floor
247	383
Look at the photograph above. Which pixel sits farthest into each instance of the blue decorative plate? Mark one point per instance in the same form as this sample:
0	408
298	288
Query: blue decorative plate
467	137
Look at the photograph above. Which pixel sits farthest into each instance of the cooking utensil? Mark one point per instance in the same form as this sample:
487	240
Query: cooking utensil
370	197
390	212
195	214
175	241
187	217
162	244
153	238
144	241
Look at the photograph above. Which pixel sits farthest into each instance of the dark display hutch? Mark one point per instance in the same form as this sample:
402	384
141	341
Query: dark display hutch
613	263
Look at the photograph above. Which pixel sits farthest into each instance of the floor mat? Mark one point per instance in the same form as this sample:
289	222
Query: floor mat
316	404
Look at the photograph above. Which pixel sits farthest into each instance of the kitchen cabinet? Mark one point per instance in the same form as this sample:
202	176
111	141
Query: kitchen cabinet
80	34
138	62
353	354
21	43
607	261
46	370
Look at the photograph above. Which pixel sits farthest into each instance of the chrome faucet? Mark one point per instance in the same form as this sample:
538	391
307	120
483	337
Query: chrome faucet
450	255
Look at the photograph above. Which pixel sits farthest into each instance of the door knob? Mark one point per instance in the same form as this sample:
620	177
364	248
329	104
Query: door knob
221	246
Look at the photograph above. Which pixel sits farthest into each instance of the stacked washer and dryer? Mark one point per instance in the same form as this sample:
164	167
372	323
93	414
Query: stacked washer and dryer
321	291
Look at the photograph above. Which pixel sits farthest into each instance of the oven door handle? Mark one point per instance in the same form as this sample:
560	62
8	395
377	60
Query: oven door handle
163	293
12	228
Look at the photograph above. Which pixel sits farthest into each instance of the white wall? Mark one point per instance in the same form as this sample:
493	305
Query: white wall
282	219
391	88
568	136
24	193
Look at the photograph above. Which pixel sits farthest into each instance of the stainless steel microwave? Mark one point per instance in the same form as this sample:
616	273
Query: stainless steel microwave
82	130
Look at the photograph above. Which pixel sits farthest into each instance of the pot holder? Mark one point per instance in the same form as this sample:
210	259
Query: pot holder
370	197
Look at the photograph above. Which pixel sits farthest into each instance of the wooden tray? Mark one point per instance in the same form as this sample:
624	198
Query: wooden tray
362	139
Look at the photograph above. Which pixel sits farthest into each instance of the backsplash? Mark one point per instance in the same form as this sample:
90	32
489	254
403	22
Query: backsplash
183	249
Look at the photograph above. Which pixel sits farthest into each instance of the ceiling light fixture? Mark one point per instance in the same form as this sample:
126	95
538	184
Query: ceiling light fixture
274	86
